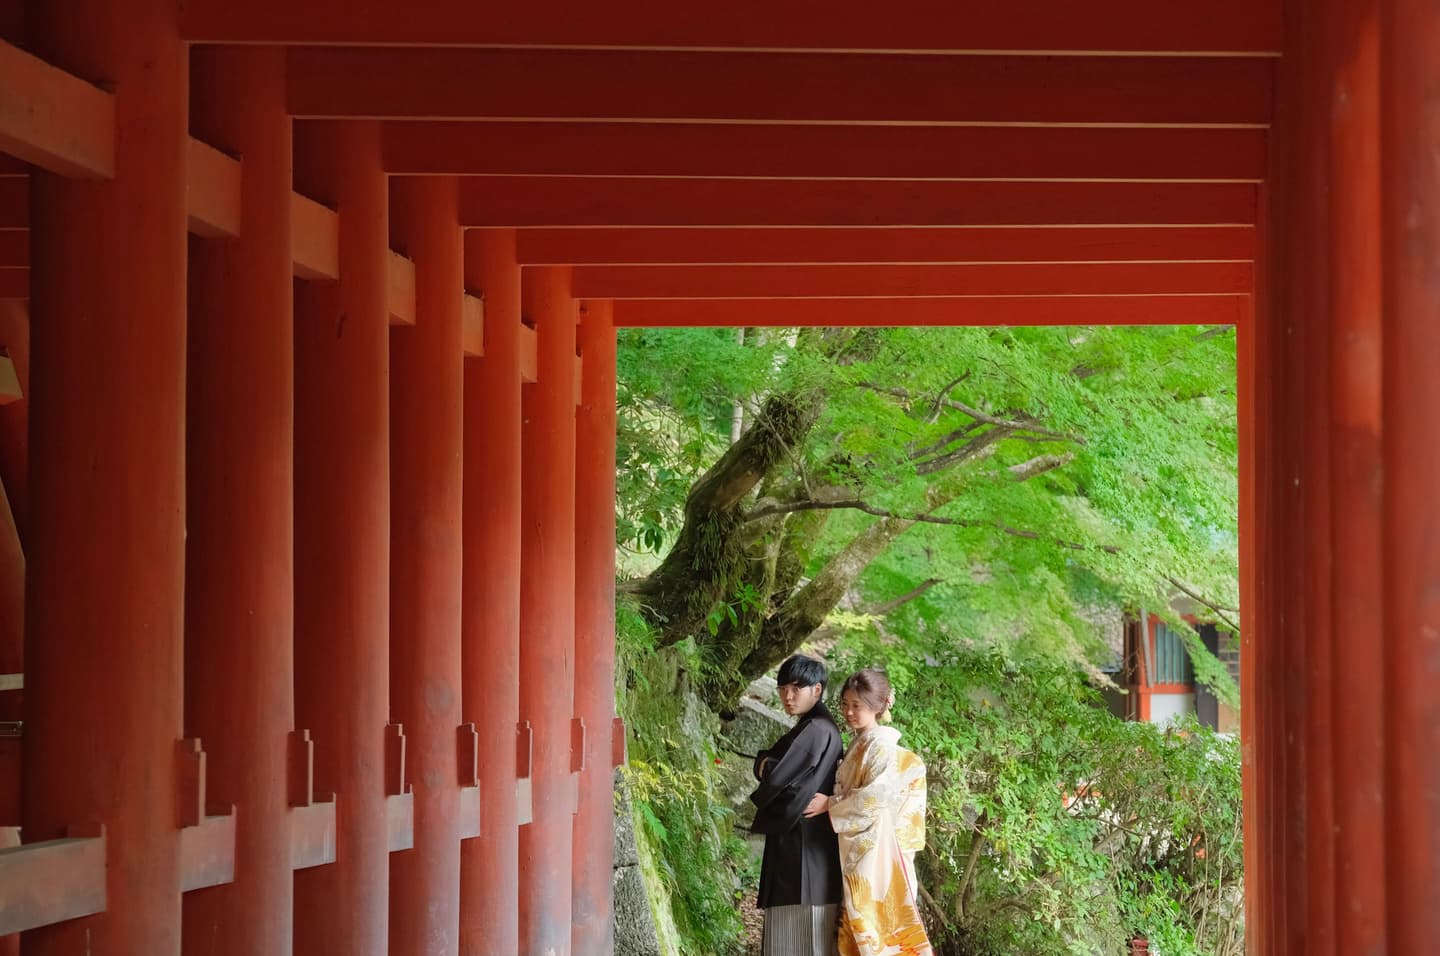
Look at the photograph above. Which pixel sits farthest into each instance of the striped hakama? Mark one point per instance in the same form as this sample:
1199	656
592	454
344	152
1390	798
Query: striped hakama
801	931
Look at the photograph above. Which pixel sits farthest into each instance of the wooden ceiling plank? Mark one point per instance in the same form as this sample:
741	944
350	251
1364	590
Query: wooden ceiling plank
878	281
1016	310
615	85
560	202
1129	26
669	150
897	246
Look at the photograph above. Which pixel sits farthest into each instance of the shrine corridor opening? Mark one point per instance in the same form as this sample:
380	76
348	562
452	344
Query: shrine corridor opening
307	311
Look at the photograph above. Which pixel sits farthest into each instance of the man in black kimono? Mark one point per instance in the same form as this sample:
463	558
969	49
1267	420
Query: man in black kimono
800	888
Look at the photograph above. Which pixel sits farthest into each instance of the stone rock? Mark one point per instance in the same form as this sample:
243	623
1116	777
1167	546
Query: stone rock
755	726
737	782
764	690
627	853
634	925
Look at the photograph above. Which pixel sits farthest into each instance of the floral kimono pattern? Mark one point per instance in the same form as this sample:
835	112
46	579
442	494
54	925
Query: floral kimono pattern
878	812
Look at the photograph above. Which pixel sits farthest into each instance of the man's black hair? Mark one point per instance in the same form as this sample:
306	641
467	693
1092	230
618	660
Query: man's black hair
802	671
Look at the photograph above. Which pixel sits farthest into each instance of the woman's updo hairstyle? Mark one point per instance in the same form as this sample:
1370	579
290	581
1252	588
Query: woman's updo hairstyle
873	689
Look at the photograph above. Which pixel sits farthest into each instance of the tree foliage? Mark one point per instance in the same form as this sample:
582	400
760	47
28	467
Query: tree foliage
988	485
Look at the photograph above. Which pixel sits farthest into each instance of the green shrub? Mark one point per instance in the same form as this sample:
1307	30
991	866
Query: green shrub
1056	828
695	864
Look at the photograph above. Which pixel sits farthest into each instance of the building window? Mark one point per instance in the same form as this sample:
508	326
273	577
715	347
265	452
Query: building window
1172	661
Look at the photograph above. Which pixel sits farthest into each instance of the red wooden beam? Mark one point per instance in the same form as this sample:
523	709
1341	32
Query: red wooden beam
899	246
53	119
544	201
400	821
312	835
401	290
842	282
980	310
1130	26
207	852
314	239
825	152
214	200
589	85
46	883
472	325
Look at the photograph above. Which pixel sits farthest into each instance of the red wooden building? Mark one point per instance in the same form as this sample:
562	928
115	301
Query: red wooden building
308	315
1156	675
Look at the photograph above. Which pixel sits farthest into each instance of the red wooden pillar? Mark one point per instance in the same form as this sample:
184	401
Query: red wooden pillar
1275	755
490	655
342	538
1250	422
547	611
1295	697
1410	124
106	515
1308	637
1355	586
426	391
594	838
239	570
15	338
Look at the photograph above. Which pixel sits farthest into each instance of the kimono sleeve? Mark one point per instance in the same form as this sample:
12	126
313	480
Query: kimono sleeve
910	818
799	760
875	789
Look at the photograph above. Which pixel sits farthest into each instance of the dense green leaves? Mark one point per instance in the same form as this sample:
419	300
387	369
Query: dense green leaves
1015	484
1055	469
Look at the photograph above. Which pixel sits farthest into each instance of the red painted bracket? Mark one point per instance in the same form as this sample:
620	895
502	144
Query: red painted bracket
577	745
312	821
619	752
301	769
524	764
189	782
468	742
207	832
394	759
46	883
524	750
399	800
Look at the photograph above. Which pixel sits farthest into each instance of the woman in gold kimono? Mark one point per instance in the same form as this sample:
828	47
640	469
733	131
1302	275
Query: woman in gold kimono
878	813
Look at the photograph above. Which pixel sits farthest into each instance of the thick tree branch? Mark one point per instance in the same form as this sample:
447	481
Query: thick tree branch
973	448
1039	465
1219	609
709	556
940	399
885	607
1021	472
1025	423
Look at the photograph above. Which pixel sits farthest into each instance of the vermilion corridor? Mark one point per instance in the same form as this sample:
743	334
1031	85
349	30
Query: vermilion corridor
307	310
